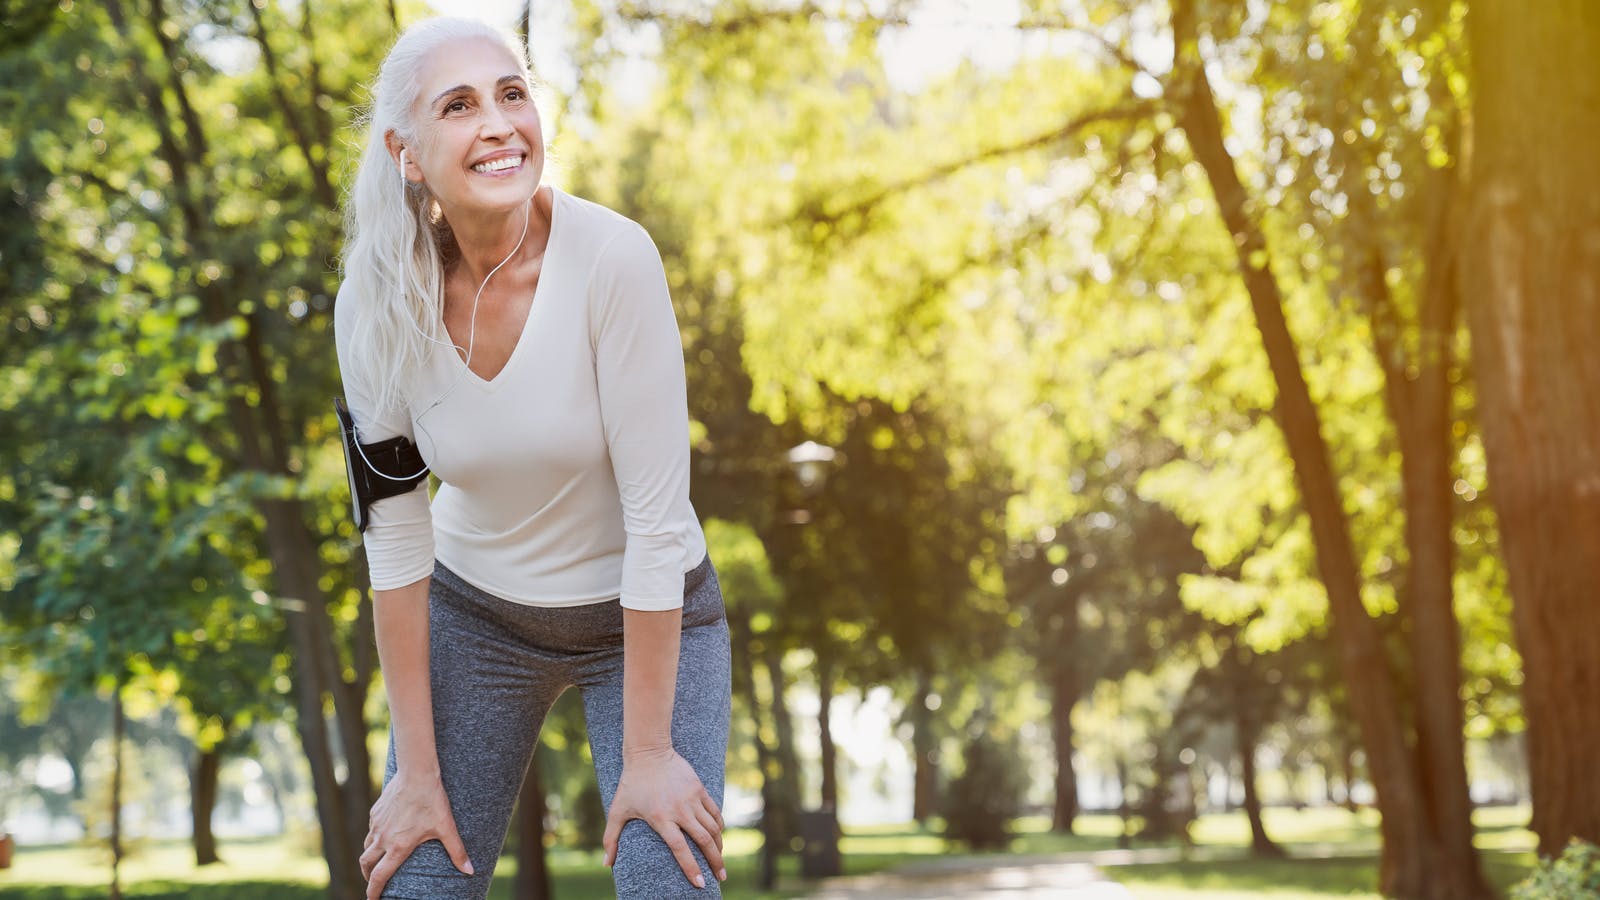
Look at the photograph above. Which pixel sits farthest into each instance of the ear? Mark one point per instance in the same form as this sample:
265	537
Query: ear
408	168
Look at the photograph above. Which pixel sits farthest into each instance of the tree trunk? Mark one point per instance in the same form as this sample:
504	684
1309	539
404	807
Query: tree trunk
1124	804
341	806
1421	412
1417	397
1530	274
744	684
202	801
118	727
829	754
1347	759
1064	696
924	753
1408	866
533	870
1247	735
785	751
263	447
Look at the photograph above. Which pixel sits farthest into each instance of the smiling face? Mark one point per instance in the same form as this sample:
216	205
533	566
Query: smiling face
481	149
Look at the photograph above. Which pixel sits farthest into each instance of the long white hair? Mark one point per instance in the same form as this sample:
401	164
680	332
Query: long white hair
396	240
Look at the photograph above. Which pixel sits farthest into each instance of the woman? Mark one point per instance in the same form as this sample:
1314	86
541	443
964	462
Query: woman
525	340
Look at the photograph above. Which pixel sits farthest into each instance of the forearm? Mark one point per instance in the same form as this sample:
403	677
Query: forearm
650	645
400	620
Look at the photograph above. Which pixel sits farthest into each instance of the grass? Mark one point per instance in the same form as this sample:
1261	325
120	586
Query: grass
276	869
1333	854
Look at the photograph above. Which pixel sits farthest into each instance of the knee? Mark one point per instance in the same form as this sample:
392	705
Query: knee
429	873
646	869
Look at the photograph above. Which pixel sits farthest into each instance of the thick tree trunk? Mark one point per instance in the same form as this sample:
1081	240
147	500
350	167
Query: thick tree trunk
533	871
924	754
118	727
1530	274
1408	867
1064	696
202	801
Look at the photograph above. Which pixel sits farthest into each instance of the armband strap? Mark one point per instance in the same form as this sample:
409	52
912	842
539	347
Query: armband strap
377	470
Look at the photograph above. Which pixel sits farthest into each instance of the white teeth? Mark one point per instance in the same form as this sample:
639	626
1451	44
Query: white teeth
506	162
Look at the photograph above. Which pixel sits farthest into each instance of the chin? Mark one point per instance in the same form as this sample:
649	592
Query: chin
509	195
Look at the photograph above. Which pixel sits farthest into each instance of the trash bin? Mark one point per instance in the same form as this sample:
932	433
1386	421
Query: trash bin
819	843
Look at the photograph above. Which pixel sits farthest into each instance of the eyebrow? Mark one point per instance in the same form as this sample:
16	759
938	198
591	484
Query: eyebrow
467	88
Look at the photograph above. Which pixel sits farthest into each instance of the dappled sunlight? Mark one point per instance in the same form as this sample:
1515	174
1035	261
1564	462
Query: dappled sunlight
1138	442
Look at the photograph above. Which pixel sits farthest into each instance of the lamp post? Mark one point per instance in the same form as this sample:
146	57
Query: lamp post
811	461
819	828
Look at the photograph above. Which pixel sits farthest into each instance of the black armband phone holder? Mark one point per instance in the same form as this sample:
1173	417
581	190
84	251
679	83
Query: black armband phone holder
381	469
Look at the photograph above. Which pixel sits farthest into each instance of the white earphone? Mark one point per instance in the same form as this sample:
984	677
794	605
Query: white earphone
472	334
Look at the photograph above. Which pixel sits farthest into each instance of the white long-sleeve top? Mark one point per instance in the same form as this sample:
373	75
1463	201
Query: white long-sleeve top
564	480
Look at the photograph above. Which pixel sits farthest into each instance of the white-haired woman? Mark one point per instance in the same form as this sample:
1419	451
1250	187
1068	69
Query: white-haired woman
525	341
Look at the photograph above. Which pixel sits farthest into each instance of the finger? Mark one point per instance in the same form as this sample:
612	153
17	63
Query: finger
368	860
380	875
673	835
710	844
454	845
368	842
716	811
609	839
709	824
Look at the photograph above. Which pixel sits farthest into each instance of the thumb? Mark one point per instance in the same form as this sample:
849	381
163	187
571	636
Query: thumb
451	839
613	832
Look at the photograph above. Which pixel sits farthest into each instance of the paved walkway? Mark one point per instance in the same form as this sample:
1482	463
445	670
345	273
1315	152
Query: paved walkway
959	879
1059	876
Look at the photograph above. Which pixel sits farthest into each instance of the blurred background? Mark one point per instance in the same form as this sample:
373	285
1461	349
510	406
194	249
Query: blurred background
1147	442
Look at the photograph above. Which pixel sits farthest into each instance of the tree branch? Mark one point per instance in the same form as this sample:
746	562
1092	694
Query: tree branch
320	185
812	211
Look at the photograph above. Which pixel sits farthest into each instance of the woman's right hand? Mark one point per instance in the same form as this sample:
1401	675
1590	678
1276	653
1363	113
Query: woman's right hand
410	810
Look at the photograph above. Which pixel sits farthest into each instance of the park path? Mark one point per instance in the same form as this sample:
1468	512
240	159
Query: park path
1014	878
1058	876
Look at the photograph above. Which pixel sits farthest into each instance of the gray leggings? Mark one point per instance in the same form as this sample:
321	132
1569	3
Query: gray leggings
498	666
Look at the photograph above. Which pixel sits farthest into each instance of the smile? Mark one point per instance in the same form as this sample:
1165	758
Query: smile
499	165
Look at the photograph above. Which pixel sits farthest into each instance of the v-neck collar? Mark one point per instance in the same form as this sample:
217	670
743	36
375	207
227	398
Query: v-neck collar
493	384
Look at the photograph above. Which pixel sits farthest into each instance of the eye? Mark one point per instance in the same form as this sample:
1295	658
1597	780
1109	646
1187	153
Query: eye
455	106
516	95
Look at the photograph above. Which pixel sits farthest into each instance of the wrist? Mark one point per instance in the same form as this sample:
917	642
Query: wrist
647	750
418	772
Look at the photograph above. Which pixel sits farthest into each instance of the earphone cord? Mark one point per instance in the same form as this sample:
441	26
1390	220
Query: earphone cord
472	338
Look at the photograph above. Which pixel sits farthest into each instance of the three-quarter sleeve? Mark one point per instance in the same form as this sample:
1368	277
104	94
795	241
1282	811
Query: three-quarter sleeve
399	535
638	356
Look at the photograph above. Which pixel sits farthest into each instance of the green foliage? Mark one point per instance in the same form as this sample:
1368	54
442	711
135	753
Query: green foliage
589	819
1574	875
981	802
1004	297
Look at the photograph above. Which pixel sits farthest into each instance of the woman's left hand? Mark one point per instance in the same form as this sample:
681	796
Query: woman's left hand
661	788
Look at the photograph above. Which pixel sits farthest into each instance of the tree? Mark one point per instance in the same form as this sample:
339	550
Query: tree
182	217
1529	272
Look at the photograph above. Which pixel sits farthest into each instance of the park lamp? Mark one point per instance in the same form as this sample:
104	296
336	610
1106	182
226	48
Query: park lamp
810	462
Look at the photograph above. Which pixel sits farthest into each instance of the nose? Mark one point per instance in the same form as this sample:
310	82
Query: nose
495	123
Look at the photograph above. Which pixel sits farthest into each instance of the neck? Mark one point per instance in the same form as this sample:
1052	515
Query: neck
486	241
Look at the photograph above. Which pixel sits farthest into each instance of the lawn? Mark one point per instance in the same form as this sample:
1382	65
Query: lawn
1334	855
